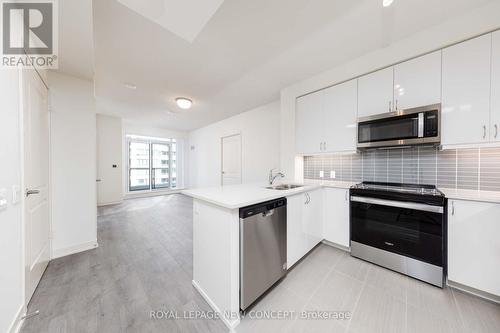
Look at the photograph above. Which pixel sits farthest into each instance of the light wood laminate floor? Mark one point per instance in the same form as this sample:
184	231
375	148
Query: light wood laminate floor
144	263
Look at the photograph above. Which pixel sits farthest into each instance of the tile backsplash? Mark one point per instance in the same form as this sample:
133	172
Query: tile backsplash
468	168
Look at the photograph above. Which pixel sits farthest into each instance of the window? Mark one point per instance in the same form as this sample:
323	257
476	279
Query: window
152	164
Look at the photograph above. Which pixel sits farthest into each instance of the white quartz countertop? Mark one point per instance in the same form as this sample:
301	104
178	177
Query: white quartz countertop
471	195
237	196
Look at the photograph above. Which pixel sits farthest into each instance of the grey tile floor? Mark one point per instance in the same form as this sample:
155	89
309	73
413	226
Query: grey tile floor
144	263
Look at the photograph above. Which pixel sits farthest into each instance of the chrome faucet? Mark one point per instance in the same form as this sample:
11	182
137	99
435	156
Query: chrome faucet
272	178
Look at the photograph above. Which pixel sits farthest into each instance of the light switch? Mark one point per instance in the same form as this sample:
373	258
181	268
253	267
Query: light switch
3	199
321	174
332	174
16	191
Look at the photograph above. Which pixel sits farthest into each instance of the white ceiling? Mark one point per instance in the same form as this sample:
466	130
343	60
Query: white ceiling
177	16
243	55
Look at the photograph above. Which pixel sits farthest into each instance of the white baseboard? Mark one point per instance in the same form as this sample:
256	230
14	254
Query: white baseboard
101	204
74	249
335	245
473	291
230	324
17	323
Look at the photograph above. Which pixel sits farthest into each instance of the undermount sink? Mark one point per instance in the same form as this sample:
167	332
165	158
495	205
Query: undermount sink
282	187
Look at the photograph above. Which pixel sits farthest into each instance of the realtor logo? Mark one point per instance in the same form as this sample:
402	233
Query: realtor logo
29	33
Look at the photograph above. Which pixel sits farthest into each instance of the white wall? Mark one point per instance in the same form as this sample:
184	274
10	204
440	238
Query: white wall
260	133
109	153
475	22
11	234
73	164
129	128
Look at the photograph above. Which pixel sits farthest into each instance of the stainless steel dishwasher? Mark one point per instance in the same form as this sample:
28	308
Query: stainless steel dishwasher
262	248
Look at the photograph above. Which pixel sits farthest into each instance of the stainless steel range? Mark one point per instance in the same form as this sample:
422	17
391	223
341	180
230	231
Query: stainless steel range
401	227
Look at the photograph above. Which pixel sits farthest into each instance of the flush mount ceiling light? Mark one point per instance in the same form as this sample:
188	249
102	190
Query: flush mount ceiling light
184	103
130	86
387	3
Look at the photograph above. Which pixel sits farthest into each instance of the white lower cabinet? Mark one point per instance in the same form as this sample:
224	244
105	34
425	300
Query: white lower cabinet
474	245
304	224
336	216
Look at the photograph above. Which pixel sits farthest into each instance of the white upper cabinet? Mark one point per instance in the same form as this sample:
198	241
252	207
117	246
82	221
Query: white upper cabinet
375	92
325	121
495	88
417	82
466	92
340	108
309	123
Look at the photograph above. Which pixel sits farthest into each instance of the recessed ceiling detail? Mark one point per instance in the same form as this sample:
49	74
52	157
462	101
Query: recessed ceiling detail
184	18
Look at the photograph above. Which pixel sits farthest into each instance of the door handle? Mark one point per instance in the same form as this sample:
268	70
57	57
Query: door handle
484	131
30	192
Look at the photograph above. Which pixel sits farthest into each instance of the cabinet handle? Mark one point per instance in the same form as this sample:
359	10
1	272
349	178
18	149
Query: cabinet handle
390	106
396	105
484	131
453	208
496	131
307	198
324	145
346	195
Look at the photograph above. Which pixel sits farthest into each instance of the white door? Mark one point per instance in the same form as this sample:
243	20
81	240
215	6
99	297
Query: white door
336	218
36	178
231	160
340	108
473	245
309	123
417	82
466	92
495	88
375	92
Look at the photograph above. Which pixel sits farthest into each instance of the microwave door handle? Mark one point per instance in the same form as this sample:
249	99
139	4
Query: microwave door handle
421	121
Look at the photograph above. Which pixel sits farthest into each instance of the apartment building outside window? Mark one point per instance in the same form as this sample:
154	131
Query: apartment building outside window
152	164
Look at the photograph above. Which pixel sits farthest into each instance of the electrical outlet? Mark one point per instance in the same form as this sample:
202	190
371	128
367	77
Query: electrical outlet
321	174
332	174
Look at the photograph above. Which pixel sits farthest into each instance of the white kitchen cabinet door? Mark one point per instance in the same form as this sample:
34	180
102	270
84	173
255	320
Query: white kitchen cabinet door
474	245
340	109
417	82
466	92
295	240
495	88
336	216
312	219
309	123
375	92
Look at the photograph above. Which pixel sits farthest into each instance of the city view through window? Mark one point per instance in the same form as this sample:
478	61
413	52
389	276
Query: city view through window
152	164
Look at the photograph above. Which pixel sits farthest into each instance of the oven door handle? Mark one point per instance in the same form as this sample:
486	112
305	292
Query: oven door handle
399	204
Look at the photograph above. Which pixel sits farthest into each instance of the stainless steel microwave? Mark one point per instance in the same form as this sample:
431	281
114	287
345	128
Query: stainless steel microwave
408	127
